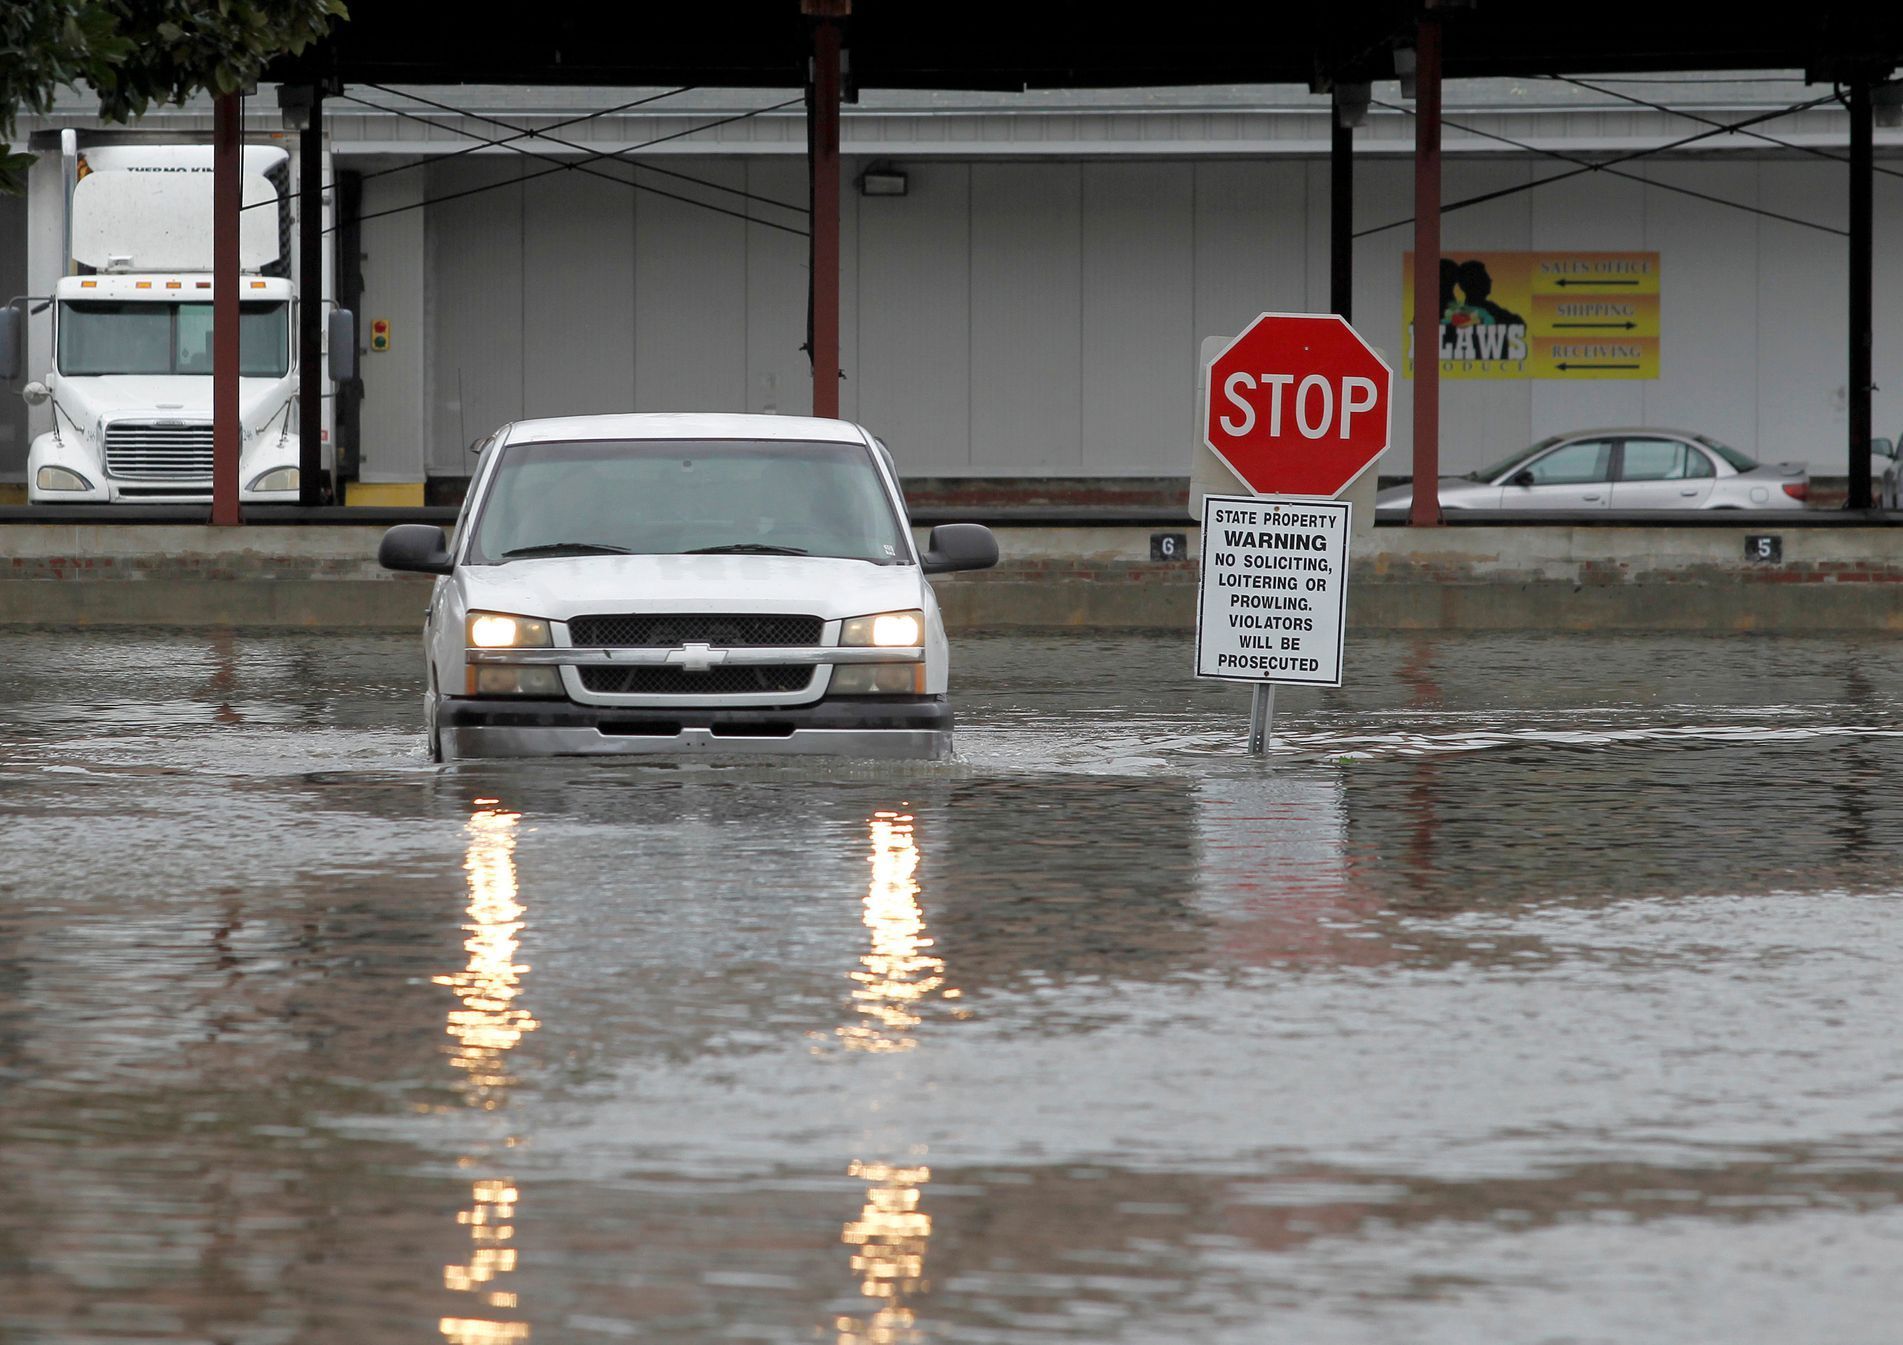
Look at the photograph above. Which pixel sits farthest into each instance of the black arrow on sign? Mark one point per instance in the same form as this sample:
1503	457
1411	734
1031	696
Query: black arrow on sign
1595	282
1627	325
1563	366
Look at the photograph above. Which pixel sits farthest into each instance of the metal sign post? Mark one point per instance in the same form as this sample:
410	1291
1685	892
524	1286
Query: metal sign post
1261	719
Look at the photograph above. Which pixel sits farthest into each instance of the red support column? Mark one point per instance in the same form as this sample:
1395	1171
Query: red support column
824	169
1425	511
226	192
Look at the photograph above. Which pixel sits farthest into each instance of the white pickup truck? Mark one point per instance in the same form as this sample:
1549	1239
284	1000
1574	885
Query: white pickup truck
685	584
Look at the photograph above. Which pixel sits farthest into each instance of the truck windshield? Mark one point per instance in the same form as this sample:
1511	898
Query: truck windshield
674	496
106	336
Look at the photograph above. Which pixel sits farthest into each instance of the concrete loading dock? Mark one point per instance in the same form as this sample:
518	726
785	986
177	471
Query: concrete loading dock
1064	576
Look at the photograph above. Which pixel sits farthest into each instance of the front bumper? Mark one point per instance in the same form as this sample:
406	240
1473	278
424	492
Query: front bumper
916	728
80	457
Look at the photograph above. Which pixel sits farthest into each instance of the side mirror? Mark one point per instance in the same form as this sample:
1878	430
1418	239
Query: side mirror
959	546
341	335
1883	448
421	547
12	342
1521	478
35	393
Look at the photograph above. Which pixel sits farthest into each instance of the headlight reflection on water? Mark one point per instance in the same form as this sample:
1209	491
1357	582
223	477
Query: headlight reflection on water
899	971
895	976
486	1024
888	1240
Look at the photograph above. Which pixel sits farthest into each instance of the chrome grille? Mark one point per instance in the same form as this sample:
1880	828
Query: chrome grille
669	629
147	451
718	681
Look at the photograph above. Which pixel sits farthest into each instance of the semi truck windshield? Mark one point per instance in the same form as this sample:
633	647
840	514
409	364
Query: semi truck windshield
105	336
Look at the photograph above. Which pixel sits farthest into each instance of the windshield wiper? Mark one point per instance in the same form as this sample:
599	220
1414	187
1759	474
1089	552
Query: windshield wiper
566	549
748	549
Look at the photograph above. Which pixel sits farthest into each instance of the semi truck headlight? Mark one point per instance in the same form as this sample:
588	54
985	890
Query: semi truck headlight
58	478
497	630
280	478
887	630
878	679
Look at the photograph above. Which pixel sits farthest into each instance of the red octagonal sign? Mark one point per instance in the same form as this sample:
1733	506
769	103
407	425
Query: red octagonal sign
1298	404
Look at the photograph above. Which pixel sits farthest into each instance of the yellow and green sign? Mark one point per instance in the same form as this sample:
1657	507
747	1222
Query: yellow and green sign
1567	315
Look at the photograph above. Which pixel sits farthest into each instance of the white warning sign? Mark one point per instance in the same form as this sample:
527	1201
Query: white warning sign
1274	595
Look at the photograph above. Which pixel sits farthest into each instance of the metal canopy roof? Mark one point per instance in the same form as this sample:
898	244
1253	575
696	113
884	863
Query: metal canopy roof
911	44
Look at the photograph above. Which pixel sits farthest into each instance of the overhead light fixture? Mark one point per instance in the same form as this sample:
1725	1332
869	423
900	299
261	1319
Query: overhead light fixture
294	105
1886	102
882	180
1404	63
1351	103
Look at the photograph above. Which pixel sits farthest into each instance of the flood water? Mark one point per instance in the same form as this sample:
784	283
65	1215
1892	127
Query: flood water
1539	989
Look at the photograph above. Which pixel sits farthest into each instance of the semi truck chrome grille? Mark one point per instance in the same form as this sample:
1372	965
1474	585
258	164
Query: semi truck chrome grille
743	681
146	451
670	629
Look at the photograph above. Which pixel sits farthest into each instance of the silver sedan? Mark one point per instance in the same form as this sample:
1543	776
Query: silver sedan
1619	469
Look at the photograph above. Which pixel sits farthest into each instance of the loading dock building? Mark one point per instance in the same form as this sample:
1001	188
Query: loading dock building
1025	278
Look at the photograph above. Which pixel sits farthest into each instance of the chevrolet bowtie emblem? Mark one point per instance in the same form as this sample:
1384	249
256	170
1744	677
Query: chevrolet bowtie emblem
698	658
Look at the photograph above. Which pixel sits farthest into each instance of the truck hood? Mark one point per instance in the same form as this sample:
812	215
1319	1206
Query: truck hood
161	397
562	587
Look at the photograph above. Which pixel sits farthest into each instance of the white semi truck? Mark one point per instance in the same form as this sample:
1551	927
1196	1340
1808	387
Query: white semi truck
117	336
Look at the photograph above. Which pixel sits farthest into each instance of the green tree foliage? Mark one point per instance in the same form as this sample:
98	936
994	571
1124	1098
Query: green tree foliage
134	53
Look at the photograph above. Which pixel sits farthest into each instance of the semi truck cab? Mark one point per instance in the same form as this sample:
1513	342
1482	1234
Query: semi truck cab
122	370
130	392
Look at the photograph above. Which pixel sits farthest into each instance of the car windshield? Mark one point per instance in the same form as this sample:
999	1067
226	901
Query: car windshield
1488	474
106	336
674	497
1742	461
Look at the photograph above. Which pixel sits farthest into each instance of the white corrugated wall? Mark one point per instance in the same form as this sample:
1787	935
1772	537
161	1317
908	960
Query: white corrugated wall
1042	318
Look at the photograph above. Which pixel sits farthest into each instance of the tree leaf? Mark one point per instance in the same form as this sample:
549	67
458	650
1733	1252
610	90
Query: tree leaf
135	52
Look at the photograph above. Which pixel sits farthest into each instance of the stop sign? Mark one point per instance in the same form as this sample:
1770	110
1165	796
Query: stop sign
1298	404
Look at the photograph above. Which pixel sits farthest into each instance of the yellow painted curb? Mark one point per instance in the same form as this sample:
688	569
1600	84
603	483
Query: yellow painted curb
389	494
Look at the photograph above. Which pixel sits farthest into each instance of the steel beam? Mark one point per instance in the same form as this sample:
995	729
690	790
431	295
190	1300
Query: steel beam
227	167
1862	175
312	488
1341	220
1425	511
823	173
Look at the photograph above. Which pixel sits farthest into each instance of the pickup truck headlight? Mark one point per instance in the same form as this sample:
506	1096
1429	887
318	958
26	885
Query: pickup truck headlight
500	630
279	478
59	478
887	630
877	679
508	679
881	630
